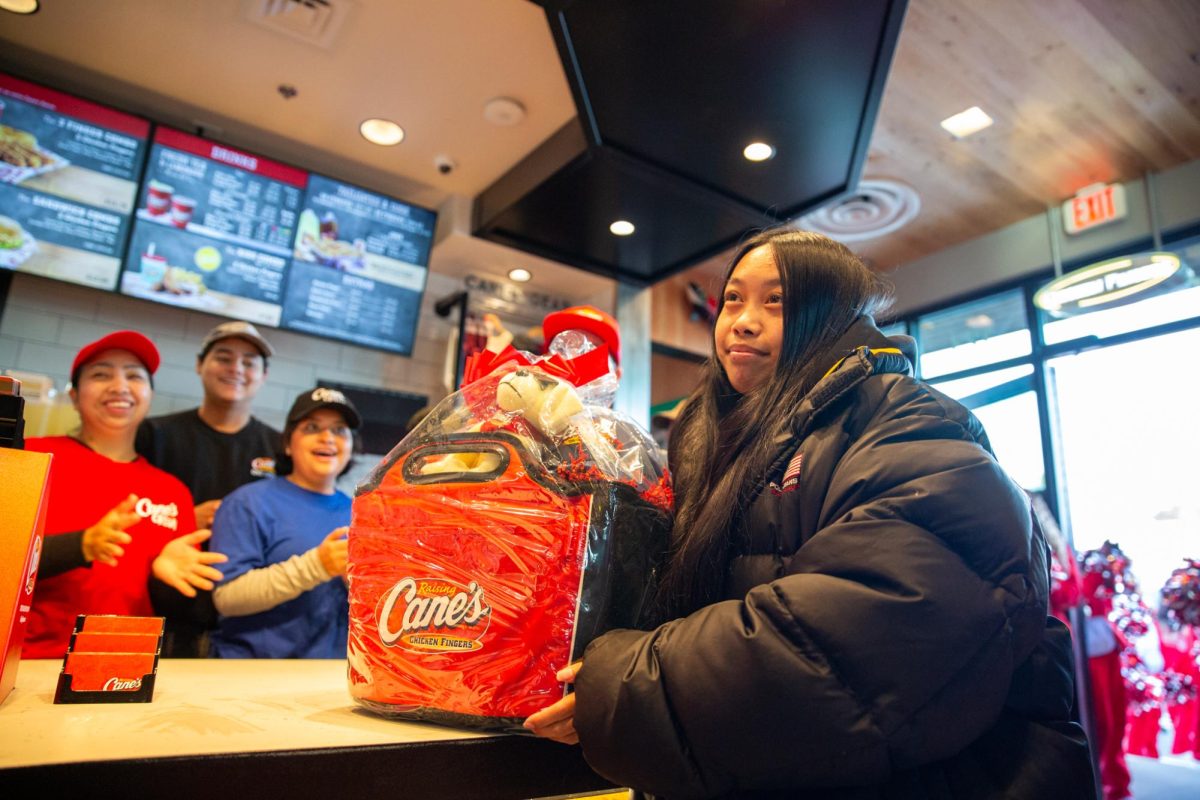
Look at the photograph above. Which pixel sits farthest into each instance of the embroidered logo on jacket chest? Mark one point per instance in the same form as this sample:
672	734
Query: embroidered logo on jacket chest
791	476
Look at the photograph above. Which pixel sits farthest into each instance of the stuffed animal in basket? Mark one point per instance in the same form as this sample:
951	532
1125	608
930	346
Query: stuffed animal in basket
543	401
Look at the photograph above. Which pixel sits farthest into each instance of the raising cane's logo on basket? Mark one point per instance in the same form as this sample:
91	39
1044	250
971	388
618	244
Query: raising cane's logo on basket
122	685
433	615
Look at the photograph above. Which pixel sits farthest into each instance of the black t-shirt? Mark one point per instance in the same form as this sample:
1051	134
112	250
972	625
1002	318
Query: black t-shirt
210	463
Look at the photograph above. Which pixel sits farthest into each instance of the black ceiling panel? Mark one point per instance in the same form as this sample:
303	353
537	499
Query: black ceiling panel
566	218
669	92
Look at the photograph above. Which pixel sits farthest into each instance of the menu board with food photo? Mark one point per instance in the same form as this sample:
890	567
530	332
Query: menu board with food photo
214	228
183	269
359	266
68	182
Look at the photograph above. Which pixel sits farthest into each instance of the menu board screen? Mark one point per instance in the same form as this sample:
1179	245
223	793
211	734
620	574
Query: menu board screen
214	229
359	266
68	183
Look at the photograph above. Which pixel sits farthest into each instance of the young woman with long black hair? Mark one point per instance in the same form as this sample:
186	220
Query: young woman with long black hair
855	603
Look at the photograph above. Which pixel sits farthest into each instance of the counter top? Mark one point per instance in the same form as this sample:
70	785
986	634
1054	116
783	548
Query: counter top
210	717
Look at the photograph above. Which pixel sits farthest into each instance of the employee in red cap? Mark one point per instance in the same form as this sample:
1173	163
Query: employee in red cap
112	519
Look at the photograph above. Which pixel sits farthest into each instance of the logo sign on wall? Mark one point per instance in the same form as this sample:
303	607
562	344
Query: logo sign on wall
1094	205
1112	283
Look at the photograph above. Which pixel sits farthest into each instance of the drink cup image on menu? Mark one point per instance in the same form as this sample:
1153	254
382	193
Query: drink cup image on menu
182	209
154	266
163	268
187	269
158	198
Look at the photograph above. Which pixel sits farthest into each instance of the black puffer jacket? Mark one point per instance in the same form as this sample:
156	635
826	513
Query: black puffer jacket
885	633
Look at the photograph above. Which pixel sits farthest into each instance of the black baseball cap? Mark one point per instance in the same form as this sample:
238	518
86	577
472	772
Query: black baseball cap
321	397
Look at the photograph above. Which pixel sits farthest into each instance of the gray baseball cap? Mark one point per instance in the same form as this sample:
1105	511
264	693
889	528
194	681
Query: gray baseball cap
239	330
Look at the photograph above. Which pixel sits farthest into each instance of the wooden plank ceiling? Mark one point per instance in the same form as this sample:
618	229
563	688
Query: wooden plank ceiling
1082	91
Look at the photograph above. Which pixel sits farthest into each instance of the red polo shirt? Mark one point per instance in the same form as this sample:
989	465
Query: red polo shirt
84	486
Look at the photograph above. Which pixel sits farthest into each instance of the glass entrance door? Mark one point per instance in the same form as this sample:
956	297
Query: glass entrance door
1128	424
1128	440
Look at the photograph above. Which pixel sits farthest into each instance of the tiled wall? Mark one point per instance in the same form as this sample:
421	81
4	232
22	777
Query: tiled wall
45	323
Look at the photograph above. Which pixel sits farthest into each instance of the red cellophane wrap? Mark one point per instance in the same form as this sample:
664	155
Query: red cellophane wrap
494	543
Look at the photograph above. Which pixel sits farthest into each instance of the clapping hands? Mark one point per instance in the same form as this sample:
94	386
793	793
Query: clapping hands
185	567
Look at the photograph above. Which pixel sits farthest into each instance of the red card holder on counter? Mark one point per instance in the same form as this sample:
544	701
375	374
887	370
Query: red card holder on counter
109	623
111	660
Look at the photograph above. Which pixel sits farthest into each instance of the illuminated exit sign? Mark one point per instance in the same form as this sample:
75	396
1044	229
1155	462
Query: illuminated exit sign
1097	204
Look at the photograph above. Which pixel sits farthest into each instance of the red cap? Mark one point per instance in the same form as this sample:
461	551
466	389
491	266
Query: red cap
134	342
585	318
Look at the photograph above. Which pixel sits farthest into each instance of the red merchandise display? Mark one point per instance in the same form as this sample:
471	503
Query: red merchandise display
497	540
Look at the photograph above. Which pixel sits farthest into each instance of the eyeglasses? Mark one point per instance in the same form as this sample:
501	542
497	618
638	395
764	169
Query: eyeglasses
339	429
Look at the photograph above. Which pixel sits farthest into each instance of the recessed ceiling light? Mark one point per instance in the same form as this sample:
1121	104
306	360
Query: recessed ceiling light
381	131
622	227
519	275
965	123
19	6
758	151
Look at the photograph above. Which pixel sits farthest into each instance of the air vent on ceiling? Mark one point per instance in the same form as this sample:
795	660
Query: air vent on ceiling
877	207
313	21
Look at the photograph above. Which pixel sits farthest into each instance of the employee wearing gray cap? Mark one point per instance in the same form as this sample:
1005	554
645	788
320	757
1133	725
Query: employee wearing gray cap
213	449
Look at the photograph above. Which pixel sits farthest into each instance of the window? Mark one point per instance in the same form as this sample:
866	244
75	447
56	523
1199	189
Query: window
1005	401
1123	319
960	345
1129	444
974	334
1124	440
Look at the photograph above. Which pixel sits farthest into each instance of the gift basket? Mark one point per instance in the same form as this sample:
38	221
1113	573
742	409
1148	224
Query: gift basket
505	532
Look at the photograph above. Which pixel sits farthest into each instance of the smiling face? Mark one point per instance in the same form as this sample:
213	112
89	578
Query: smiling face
232	371
112	394
749	331
320	447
